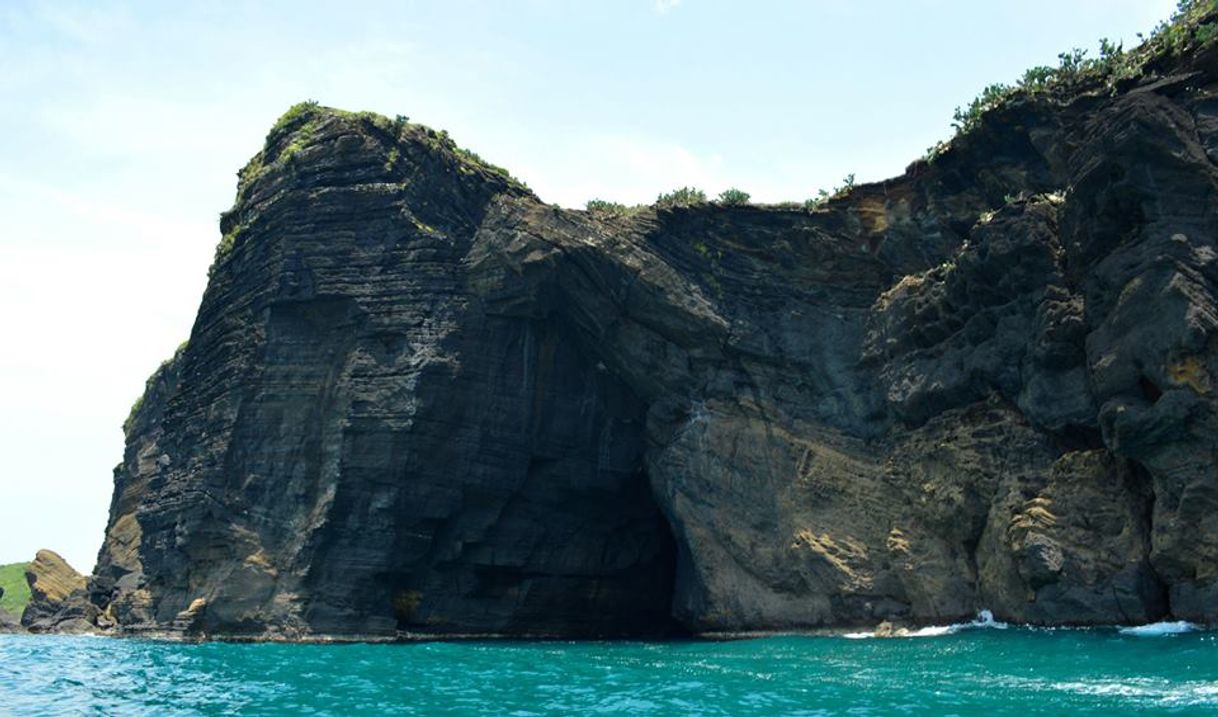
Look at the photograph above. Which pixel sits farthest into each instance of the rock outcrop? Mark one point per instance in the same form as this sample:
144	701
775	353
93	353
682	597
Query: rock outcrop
9	623
417	400
58	598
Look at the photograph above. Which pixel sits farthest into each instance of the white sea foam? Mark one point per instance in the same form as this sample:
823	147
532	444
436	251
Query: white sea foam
984	620
1163	692
1157	629
936	630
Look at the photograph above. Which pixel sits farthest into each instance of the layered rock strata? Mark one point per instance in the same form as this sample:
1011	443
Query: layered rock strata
58	597
418	400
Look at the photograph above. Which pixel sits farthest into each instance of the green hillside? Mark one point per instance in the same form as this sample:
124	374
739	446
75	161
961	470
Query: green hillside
16	590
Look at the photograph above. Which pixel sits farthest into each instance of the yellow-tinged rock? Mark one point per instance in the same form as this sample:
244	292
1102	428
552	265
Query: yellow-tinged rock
50	577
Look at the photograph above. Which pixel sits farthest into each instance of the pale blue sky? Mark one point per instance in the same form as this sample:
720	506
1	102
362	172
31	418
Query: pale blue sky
124	123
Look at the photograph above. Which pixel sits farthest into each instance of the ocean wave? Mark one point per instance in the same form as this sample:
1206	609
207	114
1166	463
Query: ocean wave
984	620
1163	692
1158	629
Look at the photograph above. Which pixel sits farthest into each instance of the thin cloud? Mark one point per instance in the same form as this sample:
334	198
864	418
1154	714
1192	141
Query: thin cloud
663	7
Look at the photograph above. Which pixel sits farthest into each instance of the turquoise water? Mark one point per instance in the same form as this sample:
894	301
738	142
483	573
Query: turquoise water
977	672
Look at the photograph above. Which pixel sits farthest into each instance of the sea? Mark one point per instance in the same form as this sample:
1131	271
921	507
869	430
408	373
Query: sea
980	668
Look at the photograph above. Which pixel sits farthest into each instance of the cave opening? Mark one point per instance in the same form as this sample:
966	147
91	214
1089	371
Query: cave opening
541	520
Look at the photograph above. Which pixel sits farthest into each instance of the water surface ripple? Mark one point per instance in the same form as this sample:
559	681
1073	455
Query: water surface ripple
979	672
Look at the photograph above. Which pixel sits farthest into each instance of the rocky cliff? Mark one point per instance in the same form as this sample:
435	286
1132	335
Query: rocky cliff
418	400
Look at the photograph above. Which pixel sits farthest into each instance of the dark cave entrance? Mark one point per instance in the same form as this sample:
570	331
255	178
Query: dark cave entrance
550	528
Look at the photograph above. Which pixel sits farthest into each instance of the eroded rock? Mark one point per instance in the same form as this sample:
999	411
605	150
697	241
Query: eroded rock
416	399
58	600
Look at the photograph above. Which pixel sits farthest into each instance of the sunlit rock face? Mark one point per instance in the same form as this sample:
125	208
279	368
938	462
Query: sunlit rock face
418	400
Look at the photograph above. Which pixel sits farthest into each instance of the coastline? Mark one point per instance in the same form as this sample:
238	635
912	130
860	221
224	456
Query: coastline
904	630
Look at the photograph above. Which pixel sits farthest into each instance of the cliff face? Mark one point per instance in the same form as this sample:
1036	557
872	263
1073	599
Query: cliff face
418	400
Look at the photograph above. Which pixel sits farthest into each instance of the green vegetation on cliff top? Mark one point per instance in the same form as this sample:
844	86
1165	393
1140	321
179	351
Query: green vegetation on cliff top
139	400
16	589
683	197
1192	25
301	119
296	129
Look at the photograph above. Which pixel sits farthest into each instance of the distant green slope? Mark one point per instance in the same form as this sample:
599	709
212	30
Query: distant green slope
16	589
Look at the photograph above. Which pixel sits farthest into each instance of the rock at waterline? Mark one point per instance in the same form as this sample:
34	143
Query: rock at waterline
58	599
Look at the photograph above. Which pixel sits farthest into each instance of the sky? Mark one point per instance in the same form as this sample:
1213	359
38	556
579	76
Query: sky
122	126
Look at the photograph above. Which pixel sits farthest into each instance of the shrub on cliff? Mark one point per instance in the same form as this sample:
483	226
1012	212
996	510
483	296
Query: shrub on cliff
683	197
603	206
295	111
1191	25
966	118
139	400
472	157
733	197
814	203
824	195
